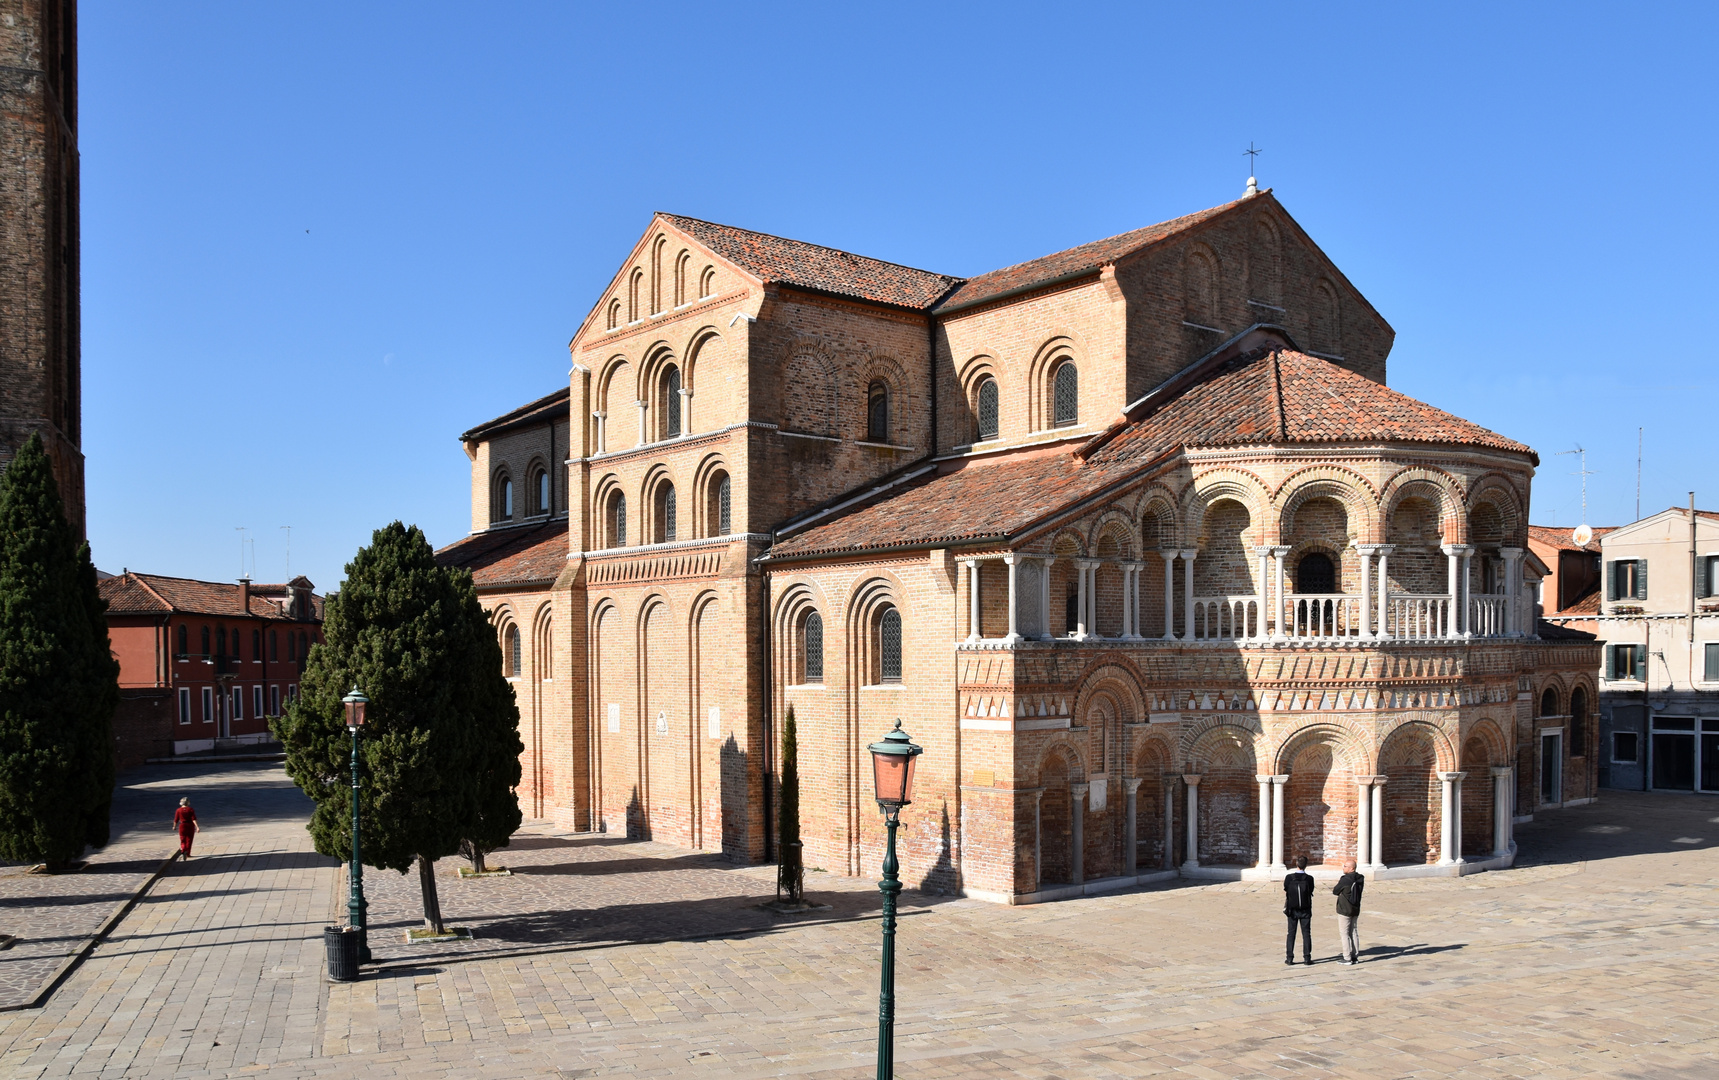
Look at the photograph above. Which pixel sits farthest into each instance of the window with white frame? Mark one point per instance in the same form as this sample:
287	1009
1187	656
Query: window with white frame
274	701
208	704
1626	663
184	704
237	703
1707	576
1711	674
257	701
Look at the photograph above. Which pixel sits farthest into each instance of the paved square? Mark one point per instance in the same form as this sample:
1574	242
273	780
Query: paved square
598	957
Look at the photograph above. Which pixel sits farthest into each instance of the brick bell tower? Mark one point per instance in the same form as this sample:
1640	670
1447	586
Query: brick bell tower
40	386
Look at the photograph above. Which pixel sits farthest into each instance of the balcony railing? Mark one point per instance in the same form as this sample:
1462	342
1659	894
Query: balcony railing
1233	617
1321	615
1419	617
1486	614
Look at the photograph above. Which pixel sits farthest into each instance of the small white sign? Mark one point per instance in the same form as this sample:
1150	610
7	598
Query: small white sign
662	722
615	719
716	721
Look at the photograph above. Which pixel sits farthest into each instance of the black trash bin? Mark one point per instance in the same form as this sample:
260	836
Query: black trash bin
342	945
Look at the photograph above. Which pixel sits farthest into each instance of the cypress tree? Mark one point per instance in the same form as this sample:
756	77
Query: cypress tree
495	756
413	637
791	869
59	682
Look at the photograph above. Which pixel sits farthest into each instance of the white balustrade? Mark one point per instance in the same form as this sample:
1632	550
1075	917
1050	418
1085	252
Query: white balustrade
1322	615
1421	617
1486	614
1229	617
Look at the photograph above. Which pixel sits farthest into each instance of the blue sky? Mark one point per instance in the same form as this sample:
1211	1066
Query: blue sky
321	240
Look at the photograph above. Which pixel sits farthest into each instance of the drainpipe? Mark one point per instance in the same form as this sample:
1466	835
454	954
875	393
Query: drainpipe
769	724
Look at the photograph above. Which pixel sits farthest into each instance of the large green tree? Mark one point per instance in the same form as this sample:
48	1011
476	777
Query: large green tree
59	682
790	866
413	637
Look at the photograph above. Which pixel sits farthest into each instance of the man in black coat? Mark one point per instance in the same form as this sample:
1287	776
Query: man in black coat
1348	890
1298	906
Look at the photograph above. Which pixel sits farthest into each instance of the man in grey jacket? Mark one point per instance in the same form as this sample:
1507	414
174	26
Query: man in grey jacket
1348	890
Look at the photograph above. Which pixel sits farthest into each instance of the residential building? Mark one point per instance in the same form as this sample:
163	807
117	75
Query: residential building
1657	611
204	663
1133	539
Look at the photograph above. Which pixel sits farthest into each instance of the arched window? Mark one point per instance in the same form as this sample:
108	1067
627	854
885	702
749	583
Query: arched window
682	263
812	648
617	520
303	647
542	486
671	402
615	313
256	644
633	287
889	646
1066	394
503	510
1578	722
184	640
292	645
221	641
877	412
665	511
1549	702
274	645
987	408
1315	574
718	521
510	653
707	282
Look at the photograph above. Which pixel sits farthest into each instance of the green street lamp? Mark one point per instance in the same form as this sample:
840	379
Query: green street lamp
355	905
892	762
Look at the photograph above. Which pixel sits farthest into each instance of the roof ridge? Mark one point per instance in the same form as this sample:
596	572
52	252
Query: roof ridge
809	243
171	606
1277	394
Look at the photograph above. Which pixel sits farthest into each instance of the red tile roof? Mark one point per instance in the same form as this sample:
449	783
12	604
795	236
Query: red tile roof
1269	396
513	557
1586	604
546	408
812	266
1558	538
141	594
1282	396
1087	258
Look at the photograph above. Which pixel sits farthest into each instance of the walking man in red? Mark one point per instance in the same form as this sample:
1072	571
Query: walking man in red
185	824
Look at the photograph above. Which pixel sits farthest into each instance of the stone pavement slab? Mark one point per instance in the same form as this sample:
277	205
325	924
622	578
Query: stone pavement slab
602	957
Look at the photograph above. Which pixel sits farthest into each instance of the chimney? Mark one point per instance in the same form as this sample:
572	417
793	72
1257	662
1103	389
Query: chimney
245	595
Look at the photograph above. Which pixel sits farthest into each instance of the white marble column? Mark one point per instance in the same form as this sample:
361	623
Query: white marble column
643	422
1514	624
685	412
1447	840
1013	562
1467	591
1502	811
1277	786
1077	819
1131	600
602	430
1378	823
1264	821
1169	558
1082	612
1384	586
1264	590
1279	598
1458	624
972	599
1363	818
1131	829
1366	551
1188	592
1169	784
1192	862
1044	595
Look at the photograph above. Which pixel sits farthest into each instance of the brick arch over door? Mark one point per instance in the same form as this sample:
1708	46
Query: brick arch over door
1153	762
1412	756
1483	748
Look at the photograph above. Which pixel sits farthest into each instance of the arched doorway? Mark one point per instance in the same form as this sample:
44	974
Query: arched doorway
1320	801
1056	823
1409	761
1228	799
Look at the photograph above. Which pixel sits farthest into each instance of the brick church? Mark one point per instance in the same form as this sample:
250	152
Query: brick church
1133	538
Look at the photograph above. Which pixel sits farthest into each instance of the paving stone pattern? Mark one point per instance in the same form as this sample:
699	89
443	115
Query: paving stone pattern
601	957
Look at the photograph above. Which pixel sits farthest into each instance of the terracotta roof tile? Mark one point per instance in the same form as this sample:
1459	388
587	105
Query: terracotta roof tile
549	406
1558	537
504	557
134	593
1088	257
812	266
1265	397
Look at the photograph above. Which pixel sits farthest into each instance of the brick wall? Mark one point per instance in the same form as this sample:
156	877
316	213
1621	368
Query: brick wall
143	727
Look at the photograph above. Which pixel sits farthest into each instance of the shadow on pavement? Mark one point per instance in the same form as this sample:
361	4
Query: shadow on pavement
1621	824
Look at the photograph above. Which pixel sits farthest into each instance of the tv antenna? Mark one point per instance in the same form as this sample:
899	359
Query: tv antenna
1583	532
288	529
241	530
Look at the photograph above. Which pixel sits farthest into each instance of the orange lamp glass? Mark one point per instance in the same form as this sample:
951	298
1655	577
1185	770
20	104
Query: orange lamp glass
355	703
892	761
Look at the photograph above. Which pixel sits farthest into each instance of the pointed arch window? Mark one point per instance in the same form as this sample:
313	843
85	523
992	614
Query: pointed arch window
1065	395
707	282
184	640
671	402
877	412
812	648
986	401
615	313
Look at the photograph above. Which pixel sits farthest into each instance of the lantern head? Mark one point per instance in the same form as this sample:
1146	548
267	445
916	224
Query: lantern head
355	702
892	760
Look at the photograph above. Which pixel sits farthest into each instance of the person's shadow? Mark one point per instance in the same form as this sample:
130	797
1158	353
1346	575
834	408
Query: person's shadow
1397	952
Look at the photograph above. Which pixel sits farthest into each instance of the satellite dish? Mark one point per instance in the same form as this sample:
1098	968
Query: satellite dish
1582	535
